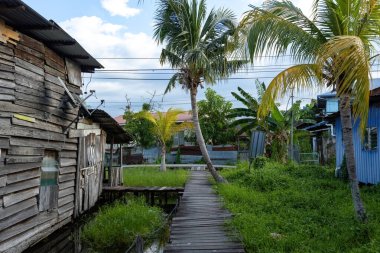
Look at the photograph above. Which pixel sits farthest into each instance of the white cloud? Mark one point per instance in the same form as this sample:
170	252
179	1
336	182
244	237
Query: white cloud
107	40
119	8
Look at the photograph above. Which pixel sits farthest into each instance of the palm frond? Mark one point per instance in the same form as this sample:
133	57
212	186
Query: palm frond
273	30
298	77
352	71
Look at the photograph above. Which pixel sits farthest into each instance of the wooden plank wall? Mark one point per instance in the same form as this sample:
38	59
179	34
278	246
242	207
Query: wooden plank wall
29	87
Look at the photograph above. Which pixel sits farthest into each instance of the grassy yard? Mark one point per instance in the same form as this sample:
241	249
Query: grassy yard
116	226
291	208
153	177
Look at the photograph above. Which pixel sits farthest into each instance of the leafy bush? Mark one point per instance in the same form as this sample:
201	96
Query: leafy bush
117	225
260	162
292	208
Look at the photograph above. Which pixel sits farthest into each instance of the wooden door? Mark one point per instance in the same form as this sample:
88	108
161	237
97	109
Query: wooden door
91	170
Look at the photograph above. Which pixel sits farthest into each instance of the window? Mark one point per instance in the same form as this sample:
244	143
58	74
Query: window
370	138
332	106
49	181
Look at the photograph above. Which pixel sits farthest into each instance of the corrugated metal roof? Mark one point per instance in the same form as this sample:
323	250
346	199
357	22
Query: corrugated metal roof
112	128
26	20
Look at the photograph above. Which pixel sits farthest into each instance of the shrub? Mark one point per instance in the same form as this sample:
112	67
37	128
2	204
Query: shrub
117	225
154	177
299	208
259	162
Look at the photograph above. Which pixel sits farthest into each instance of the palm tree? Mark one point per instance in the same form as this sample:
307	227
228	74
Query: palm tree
164	128
334	48
195	45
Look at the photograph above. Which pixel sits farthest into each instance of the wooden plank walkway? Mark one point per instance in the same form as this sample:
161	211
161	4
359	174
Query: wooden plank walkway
199	225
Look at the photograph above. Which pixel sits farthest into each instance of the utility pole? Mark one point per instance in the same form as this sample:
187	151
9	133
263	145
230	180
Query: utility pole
291	128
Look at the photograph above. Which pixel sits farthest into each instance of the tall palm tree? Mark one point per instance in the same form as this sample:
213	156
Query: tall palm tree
164	128
334	47
195	45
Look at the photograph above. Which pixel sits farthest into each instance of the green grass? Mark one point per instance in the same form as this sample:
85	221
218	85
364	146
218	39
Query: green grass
116	226
153	177
292	208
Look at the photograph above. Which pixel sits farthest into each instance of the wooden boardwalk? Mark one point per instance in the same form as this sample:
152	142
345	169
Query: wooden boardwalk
199	225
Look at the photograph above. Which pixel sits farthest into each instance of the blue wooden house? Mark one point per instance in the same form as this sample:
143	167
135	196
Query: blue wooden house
367	151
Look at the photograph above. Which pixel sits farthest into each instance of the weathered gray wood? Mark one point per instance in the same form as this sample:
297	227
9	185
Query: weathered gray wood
7	84
38	100
18	217
7	68
3	181
65	192
13	178
17	197
6	212
39	92
65	200
35	134
50	54
5	122
75	133
29	58
54	72
66	177
6	57
31	43
66	184
74	73
26	151
25	142
6	50
30	223
29	66
38	125
67	170
30	51
65	162
68	154
23	159
66	208
14	168
20	186
4	142
28	73
7	97
48	198
22	241
78	190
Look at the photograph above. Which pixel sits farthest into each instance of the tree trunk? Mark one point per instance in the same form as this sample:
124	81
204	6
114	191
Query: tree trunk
345	116
201	142
163	157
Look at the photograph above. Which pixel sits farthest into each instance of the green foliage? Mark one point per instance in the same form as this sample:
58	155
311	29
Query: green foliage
153	177
213	119
178	156
116	226
294	208
141	129
259	162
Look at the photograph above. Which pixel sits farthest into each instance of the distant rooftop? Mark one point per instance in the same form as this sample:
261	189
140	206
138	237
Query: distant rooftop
24	19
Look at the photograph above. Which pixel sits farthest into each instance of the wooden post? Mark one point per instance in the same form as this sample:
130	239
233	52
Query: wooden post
77	180
121	179
139	244
110	170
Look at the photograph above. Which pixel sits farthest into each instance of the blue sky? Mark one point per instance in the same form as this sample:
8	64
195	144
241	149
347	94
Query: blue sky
123	29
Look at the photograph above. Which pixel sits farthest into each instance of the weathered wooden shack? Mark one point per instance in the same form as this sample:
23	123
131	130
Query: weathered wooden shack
50	161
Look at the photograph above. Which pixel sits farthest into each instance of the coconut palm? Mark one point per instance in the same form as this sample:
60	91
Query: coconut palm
164	128
334	48
195	45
